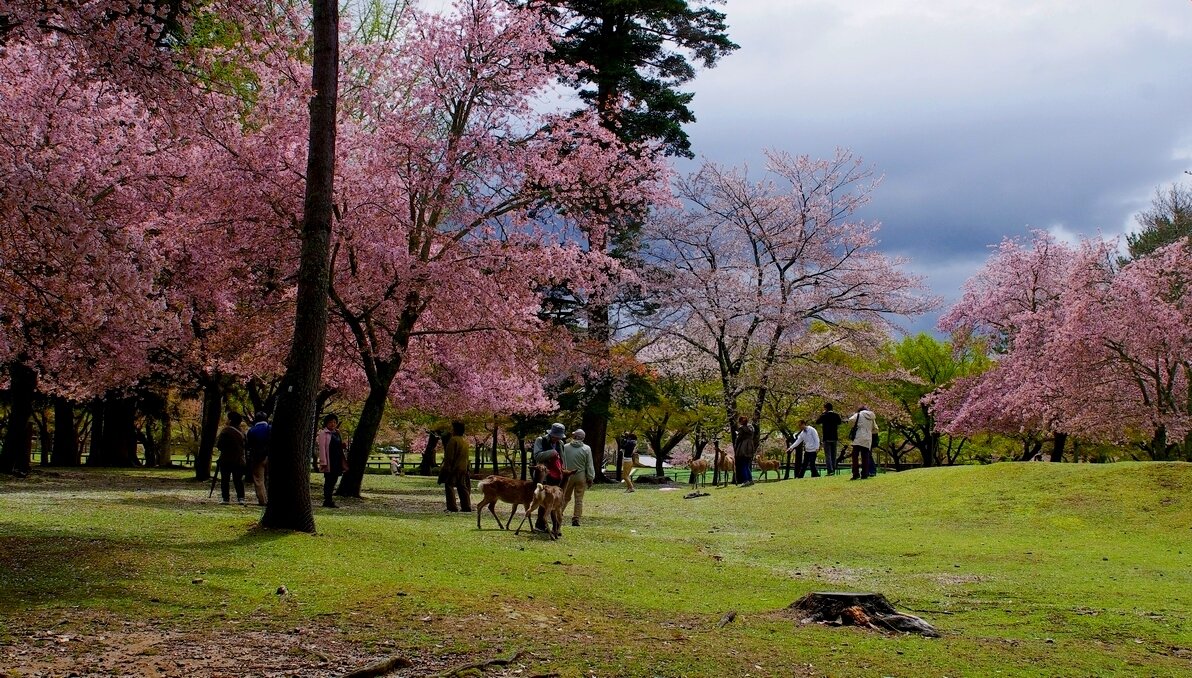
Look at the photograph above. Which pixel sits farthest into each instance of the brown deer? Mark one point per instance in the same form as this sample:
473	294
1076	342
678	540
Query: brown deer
767	465
725	464
550	498
508	490
698	467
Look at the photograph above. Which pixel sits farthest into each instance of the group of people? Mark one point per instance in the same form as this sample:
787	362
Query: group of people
243	454
862	437
551	451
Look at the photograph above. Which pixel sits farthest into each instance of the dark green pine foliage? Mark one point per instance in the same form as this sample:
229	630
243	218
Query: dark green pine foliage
636	55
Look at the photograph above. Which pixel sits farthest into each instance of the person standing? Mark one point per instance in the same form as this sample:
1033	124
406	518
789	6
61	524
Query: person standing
808	440
743	449
864	424
332	460
628	459
578	457
256	442
230	442
453	475
548	451
829	423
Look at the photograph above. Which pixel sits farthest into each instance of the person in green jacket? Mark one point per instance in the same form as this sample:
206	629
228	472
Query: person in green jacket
577	457
453	475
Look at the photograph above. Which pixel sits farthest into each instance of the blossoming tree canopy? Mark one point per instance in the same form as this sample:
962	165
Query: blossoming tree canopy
458	190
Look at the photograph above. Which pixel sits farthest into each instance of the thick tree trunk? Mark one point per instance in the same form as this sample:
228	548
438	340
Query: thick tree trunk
18	440
294	424
595	425
209	427
1058	442
118	444
428	455
363	439
66	444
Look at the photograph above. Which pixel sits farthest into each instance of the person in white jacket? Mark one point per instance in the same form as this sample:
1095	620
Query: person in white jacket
864	424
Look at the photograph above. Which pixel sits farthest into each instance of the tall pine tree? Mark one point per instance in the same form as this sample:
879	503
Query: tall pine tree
633	57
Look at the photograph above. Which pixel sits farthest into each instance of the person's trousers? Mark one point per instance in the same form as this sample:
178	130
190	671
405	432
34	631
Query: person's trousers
329	481
576	487
236	475
626	471
463	485
745	470
862	461
258	480
830	456
809	463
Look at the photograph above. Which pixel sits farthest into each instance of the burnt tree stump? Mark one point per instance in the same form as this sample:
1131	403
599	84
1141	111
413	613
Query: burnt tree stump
858	609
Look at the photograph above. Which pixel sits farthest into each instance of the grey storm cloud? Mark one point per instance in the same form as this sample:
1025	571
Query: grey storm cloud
986	117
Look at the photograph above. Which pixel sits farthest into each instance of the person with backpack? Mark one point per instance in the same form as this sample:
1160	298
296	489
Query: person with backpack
256	442
548	451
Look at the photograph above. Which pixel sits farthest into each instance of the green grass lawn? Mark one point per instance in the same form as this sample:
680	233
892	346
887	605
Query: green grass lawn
1026	569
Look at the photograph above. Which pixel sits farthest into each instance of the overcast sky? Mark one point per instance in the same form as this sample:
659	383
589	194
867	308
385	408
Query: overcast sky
987	117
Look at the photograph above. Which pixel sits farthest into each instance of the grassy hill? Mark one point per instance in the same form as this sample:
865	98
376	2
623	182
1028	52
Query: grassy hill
1027	569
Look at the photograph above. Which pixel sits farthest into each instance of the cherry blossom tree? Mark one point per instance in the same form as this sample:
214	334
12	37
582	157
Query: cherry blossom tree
755	264
1013	304
452	188
83	169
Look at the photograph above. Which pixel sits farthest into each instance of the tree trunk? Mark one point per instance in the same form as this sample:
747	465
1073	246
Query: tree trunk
294	424
595	425
118	443
66	445
97	425
1058	441
164	458
363	438
428	455
18	443
44	434
211	415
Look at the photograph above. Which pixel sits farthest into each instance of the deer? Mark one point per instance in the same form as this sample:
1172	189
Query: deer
698	468
725	464
508	490
550	498
767	465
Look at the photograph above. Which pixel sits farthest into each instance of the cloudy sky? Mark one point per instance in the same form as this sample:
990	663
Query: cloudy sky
987	117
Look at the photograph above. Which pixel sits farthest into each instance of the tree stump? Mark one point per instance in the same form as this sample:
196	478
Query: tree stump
858	609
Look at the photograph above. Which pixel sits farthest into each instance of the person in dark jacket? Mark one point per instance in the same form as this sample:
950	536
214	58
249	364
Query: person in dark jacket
829	423
548	451
333	462
743	448
256	443
453	474
230	442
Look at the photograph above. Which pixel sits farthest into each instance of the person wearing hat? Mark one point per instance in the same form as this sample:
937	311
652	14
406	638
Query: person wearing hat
548	451
577	457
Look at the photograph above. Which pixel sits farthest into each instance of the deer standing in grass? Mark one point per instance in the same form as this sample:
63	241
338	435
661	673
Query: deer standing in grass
698	467
550	498
508	490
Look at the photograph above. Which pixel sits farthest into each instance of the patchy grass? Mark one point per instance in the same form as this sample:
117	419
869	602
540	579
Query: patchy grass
1027	569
